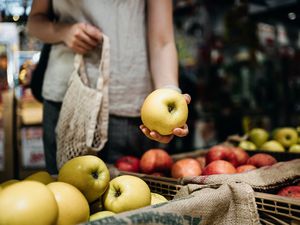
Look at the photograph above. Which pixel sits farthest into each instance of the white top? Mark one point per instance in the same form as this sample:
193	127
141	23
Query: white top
123	21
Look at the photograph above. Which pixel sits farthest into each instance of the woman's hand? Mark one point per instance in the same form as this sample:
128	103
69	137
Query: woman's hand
81	37
179	132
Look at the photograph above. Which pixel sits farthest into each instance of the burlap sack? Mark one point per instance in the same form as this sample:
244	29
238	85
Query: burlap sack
83	120
268	178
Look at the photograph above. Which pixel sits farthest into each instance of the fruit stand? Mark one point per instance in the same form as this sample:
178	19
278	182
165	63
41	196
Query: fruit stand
272	208
160	190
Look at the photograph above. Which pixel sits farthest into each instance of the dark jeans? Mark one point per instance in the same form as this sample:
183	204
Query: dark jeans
50	116
124	137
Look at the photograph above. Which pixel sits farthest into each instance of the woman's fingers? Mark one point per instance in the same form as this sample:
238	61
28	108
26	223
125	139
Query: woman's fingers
181	132
93	33
187	98
156	136
82	37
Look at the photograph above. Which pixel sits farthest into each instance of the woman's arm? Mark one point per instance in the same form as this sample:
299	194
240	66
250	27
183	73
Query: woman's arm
80	37
162	57
161	43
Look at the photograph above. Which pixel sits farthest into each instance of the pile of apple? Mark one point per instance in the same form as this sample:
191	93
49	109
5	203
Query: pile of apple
83	191
220	159
283	139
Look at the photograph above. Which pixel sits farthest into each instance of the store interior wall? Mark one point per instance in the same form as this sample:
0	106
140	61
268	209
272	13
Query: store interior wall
239	61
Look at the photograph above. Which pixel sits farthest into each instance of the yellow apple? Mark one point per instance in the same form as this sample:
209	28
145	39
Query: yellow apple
273	146
258	136
100	215
125	193
41	176
27	203
157	198
163	110
87	173
73	207
286	136
295	148
247	145
8	183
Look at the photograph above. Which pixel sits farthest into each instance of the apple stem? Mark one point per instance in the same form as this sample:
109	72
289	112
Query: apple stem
118	193
171	107
95	175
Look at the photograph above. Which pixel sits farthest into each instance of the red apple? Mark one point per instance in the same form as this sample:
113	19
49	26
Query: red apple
221	152
128	163
202	161
261	159
158	174
185	168
219	167
245	168
290	191
241	155
156	160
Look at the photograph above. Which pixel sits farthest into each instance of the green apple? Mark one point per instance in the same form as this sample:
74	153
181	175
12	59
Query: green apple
8	183
41	176
163	110
258	136
286	136
273	146
125	193
101	214
157	198
87	173
27	203
247	145
73	207
295	148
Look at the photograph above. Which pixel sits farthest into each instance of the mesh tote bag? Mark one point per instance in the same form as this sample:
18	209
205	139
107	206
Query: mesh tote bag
83	119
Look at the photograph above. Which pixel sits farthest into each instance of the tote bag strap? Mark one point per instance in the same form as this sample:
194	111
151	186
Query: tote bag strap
102	86
103	65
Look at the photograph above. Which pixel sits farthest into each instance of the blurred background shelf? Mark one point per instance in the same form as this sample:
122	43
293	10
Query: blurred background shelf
238	59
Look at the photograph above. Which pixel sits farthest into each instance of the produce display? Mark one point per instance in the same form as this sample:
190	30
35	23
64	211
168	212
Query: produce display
219	159
282	139
83	191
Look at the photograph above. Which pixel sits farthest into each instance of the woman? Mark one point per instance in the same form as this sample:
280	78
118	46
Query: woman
143	58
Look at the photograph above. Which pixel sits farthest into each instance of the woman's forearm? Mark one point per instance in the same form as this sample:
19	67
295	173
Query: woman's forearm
162	51
45	30
40	26
164	66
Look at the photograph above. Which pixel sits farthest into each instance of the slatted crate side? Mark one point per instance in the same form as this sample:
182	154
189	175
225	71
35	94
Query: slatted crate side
273	209
278	205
